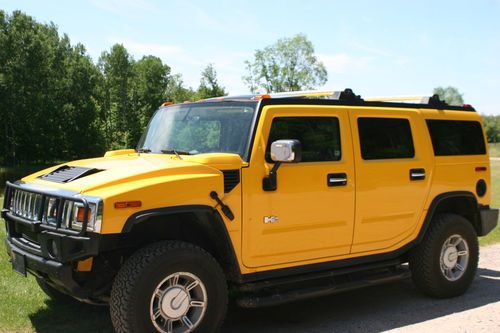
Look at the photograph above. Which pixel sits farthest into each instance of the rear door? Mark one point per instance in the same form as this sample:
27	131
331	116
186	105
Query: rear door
393	169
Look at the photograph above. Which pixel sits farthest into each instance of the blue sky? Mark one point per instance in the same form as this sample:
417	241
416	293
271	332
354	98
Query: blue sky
375	47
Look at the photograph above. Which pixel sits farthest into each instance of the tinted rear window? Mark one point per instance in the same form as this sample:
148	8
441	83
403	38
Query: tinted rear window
454	137
385	138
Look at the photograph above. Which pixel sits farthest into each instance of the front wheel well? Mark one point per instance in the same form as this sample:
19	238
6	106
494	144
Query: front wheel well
204	229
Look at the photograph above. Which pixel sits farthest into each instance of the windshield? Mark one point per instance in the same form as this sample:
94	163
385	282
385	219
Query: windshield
200	128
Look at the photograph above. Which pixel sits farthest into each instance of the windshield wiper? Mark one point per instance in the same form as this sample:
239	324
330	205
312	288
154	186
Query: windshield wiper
143	150
177	153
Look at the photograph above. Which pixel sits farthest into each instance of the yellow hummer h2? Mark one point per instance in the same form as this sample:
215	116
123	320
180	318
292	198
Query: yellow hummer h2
279	197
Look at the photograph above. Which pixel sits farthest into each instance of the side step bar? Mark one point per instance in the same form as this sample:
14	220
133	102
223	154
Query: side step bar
276	294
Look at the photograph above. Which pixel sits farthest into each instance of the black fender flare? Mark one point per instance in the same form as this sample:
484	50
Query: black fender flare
214	226
435	205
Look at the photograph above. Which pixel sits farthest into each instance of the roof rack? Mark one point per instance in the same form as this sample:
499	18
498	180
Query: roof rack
345	95
433	100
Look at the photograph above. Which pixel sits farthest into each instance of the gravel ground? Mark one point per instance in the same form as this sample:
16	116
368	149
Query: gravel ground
397	307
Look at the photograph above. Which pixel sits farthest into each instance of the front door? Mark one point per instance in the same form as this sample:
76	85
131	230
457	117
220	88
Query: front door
310	215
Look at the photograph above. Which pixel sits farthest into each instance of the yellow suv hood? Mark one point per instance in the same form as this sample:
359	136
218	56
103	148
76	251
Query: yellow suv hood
121	169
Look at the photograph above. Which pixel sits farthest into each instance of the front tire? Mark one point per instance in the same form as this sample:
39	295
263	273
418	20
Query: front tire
169	287
445	263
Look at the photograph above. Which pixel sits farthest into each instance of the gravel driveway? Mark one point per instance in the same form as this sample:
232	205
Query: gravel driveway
395	307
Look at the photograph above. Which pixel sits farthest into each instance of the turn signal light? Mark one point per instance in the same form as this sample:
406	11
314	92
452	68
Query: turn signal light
80	214
483	168
128	204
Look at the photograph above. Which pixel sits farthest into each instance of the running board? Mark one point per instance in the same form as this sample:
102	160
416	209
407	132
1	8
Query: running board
322	287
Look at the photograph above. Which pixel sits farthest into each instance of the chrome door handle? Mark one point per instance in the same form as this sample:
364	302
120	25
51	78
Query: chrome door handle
336	179
417	174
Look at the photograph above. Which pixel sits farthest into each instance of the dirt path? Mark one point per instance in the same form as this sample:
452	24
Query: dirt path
396	308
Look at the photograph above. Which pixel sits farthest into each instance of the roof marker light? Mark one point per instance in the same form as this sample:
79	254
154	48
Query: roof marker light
167	104
262	96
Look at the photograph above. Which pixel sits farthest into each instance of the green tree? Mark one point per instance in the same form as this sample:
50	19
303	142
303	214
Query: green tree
177	92
209	85
492	128
148	91
118	116
48	96
450	95
287	65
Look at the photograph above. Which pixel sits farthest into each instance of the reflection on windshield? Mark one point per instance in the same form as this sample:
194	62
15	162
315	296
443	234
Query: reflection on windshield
200	128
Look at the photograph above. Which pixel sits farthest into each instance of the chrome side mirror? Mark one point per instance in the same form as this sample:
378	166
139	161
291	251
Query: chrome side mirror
282	151
286	151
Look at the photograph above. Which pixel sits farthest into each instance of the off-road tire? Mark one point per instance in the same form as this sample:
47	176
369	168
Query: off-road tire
425	263
54	294
136	281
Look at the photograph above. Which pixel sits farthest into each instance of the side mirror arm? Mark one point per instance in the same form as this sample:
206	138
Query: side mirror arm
270	182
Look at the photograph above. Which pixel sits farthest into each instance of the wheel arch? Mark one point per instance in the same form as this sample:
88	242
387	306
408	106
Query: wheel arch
199	225
462	203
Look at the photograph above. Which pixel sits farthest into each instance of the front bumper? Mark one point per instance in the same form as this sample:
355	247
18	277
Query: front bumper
52	252
489	220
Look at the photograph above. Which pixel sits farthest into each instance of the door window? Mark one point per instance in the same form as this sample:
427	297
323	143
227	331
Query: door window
319	136
385	138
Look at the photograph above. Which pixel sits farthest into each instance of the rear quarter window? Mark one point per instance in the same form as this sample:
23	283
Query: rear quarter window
456	137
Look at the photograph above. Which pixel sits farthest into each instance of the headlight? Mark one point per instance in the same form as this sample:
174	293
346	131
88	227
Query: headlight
72	215
94	217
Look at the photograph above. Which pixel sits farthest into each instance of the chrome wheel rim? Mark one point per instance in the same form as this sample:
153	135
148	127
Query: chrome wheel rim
454	257
178	303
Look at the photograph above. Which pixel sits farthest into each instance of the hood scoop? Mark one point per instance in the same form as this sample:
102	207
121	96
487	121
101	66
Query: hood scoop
66	174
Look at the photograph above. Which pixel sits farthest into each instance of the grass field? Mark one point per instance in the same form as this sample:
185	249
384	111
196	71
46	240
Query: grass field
494	149
24	308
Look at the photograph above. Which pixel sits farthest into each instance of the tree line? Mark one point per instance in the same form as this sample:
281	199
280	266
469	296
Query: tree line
57	104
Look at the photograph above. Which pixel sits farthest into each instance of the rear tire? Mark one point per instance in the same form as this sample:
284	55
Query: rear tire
445	263
169	287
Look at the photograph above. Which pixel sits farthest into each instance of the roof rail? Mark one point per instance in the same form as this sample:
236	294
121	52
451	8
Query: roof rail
345	95
433	100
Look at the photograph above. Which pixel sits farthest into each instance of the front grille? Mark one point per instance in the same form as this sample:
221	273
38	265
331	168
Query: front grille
27	204
36	209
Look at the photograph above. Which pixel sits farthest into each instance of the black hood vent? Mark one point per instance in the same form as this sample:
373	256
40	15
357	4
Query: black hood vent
231	179
66	174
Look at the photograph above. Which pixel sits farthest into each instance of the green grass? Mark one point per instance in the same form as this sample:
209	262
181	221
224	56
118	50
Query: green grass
25	308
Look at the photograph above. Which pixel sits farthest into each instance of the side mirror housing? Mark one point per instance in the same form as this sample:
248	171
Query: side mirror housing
288	151
282	151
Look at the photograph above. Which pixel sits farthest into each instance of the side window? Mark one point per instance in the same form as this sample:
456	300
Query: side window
319	136
385	138
454	137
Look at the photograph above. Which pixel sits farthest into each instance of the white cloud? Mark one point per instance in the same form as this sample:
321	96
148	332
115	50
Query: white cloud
228	64
342	63
123	7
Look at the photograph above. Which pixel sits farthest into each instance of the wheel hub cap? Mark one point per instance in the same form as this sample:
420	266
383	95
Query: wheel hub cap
175	302
178	303
450	257
454	257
